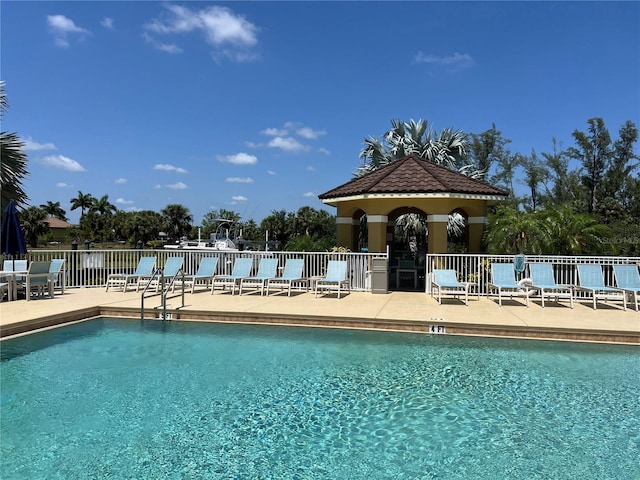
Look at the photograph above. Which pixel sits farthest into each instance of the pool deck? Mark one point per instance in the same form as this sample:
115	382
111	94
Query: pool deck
396	311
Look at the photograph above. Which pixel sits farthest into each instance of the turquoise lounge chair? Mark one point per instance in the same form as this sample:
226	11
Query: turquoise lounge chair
504	279
293	273
205	274
543	280
591	281
336	277
167	276
446	282
628	279
38	278
143	270
59	275
266	270
241	269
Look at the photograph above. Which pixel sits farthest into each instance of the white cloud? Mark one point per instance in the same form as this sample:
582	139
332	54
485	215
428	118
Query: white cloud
308	194
172	186
231	35
455	62
288	144
63	185
122	201
62	27
107	22
63	163
121	181
309	133
31	145
239	180
325	151
239	159
311	168
239	198
169	168
165	47
271	172
274	132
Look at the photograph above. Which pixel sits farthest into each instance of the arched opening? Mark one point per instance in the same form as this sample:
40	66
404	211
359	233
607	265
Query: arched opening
407	238
458	231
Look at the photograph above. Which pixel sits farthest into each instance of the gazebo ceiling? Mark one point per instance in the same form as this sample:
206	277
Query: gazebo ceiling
413	177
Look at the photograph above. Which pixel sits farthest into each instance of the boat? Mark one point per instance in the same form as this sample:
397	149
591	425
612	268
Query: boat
218	242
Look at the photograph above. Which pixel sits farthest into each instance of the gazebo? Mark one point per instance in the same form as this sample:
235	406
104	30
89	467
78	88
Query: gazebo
411	185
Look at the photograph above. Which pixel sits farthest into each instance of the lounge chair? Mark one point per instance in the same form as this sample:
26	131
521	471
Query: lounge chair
293	269
38	278
166	276
504	279
59	276
144	270
241	269
206	272
542	279
336	277
266	270
591	281
628	279
446	282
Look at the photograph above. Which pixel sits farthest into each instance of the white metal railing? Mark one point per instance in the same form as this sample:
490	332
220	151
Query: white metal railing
90	268
477	268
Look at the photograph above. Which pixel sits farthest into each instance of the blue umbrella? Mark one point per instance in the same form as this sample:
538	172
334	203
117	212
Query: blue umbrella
12	240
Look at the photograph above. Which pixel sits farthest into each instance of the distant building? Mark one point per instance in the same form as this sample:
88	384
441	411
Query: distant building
59	229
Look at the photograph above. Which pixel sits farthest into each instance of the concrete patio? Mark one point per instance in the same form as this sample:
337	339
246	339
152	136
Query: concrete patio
397	311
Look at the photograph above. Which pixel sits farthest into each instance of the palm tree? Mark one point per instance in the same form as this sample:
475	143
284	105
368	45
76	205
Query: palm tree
447	148
54	210
83	202
13	162
33	224
103	206
568	233
176	221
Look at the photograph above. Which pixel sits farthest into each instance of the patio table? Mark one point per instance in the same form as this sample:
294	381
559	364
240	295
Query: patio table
11	276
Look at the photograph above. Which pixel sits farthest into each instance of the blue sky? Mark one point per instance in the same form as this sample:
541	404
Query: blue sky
261	106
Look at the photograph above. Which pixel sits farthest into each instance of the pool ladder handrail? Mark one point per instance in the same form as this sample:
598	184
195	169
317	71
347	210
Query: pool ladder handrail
165	288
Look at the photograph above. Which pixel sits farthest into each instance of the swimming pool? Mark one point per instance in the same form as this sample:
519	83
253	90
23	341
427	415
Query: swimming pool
113	398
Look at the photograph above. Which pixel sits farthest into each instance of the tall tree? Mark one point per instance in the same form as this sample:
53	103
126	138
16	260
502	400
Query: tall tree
447	148
593	149
13	162
53	209
557	164
83	201
622	162
176	221
487	147
33	224
534	175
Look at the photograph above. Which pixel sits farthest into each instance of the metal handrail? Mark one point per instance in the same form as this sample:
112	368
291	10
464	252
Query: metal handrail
164	292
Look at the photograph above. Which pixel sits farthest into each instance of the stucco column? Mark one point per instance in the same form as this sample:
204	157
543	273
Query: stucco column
476	229
437	225
377	226
345	232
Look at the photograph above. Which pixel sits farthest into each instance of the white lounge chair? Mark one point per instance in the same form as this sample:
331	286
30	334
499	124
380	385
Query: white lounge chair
241	269
543	280
591	281
144	270
38	278
293	273
446	282
504	279
628	279
335	278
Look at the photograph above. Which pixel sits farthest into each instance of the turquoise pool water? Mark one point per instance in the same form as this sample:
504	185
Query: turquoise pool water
122	399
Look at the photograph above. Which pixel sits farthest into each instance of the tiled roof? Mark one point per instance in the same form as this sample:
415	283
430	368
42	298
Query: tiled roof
57	223
412	175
